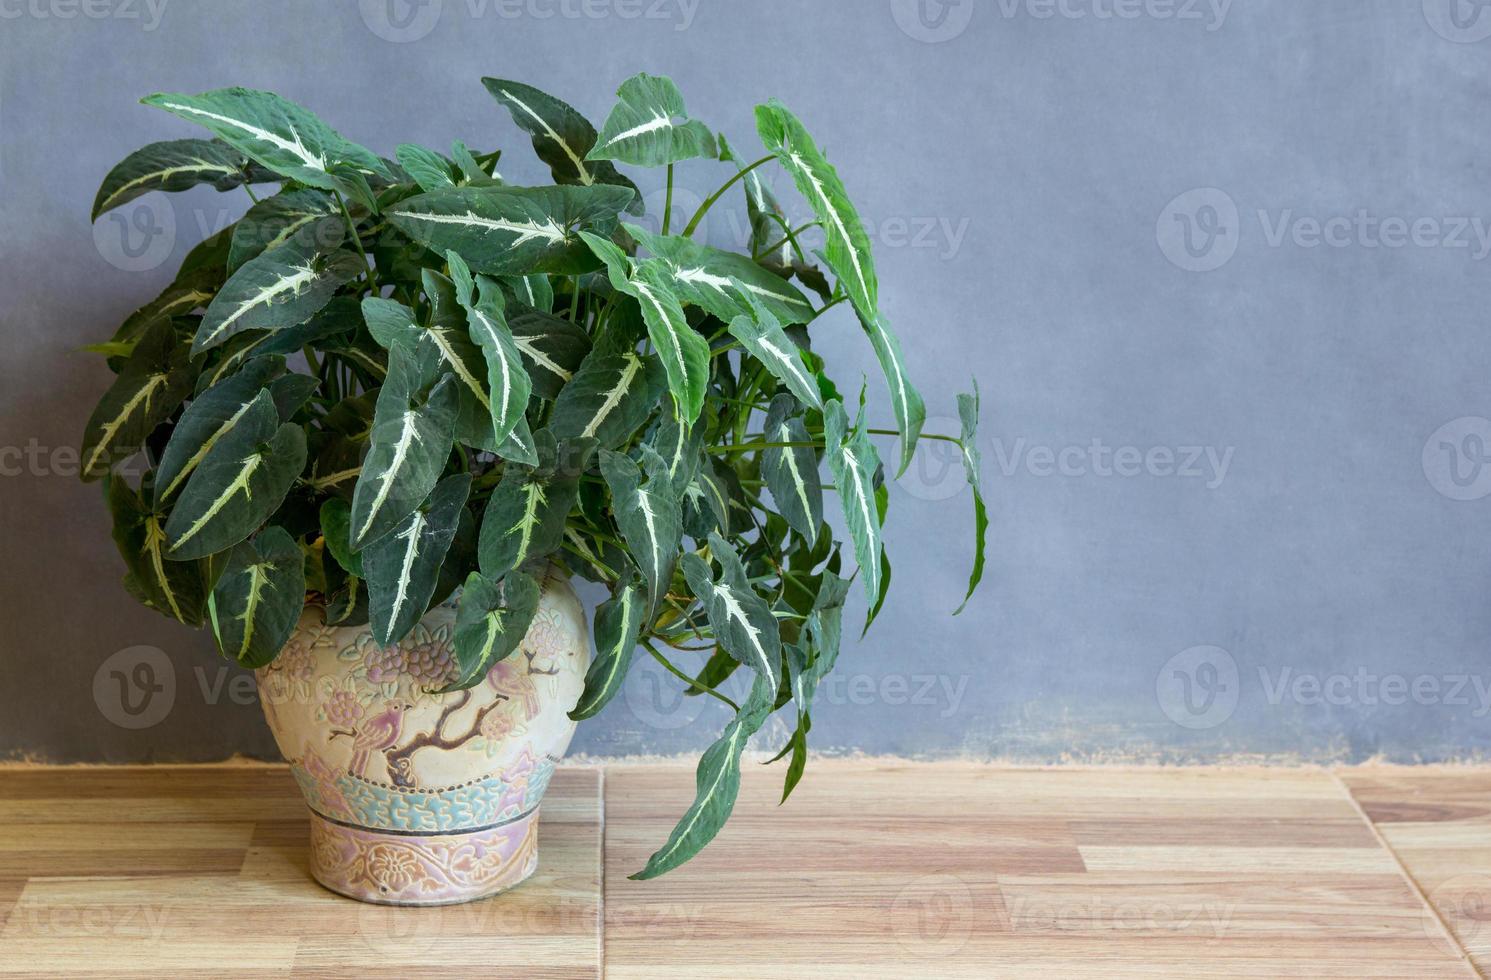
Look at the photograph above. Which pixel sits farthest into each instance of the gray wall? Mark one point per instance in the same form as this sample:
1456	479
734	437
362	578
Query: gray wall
1221	270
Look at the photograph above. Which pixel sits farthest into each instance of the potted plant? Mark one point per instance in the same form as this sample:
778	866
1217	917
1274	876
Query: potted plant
388	414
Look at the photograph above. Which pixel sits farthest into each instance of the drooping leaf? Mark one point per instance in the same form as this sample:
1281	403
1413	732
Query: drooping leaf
765	339
649	127
153	382
491	622
274	131
173	165
275	220
552	348
241	481
525	515
853	460
791	470
972	469
618	624
609	397
741	620
847	246
403	565
649	517
561	136
211	415
507	378
910	411
716	784
723	283
173	588
277	289
408	446
512	230
258	600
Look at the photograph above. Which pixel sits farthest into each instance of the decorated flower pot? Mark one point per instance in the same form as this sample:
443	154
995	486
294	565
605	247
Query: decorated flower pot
418	798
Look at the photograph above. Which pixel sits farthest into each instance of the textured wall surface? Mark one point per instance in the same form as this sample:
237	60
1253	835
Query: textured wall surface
1222	270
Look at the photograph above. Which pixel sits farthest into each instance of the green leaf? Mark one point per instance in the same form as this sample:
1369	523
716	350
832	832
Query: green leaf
741	620
972	468
552	348
680	446
153	382
716	785
561	136
649	517
336	529
450	334
430	170
277	289
765	339
410	441
642	130
273	221
609	397
174	588
276	132
791	473
241	482
507	378
723	283
847	247
910	411
512	230
853	460
174	165
525	515
258	600
491	622
211	415
618	624
536	291
403	565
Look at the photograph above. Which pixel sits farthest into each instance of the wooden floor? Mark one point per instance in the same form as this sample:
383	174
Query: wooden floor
869	871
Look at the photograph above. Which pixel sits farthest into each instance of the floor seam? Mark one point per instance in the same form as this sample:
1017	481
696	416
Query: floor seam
600	924
1408	876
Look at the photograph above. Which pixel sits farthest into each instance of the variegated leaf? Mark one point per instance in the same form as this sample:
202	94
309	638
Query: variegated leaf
853	460
680	446
257	601
174	588
649	127
723	283
173	165
430	170
450	333
525	515
847	246
276	132
741	619
762	335
275	290
561	136
403	565
410	442
650	519
306	212
535	291
241	481
491	621
212	415
618	625
972	469
609	397
716	784
507	378
791	469
512	230
552	348
905	400
152	383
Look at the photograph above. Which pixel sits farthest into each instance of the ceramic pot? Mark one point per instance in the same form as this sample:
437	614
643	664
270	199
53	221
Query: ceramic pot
420	798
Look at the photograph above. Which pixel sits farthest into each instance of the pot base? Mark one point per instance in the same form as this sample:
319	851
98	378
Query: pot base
391	868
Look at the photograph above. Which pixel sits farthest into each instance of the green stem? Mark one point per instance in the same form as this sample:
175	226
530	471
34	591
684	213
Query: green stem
252	196
668	202
750	447
701	688
357	240
709	201
791	236
574	300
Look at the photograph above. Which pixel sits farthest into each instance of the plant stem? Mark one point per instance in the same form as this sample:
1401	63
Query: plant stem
750	447
924	435
252	196
357	240
574	300
701	688
791	236
709	201
668	202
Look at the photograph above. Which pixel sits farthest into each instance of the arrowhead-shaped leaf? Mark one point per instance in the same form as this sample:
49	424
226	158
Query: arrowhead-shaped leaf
174	165
680	446
174	588
618	624
153	382
430	170
258	600
241	481
791	472
277	289
972	467
403	565
507	378
741	620
910	411
211	415
525	515
491	621
552	348
649	127
650	519
609	397
853	460
723	283
275	220
764	337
